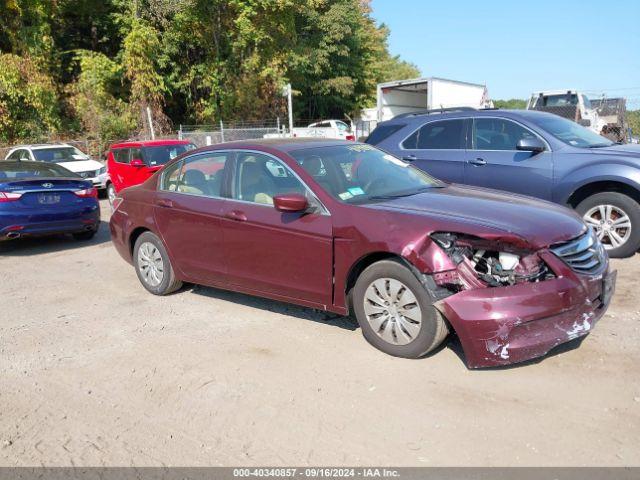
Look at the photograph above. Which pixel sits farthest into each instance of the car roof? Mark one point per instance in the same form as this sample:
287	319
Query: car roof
420	117
150	143
41	146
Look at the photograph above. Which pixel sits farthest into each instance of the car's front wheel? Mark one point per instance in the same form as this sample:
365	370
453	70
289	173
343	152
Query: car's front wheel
616	219
396	312
153	265
111	193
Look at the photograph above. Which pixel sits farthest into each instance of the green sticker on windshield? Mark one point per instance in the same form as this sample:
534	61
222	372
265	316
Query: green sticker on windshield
355	191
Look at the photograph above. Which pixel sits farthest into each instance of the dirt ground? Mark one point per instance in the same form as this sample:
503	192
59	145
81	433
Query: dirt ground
96	371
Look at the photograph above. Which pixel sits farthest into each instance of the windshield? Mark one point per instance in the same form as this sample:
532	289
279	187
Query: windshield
570	132
12	171
562	100
59	154
360	173
160	155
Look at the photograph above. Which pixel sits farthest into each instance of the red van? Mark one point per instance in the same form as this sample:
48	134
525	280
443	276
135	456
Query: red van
131	163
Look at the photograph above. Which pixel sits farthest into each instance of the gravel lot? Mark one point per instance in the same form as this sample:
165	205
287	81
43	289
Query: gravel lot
96	371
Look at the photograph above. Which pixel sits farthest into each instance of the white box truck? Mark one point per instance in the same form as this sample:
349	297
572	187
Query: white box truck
406	96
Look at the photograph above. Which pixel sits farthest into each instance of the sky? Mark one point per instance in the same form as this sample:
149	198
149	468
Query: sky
517	47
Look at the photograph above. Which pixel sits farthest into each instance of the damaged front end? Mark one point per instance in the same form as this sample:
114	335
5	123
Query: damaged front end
509	304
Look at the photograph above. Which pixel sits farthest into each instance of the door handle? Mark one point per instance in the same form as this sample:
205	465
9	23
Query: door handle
163	202
478	162
409	158
236	215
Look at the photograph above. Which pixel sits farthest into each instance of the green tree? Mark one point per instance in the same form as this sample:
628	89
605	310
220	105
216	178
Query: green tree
514	103
28	100
101	114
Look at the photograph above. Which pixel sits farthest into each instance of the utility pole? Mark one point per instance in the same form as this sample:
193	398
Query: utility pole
286	92
150	120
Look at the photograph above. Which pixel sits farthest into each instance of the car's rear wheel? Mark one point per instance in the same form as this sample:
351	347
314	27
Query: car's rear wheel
396	312
616	219
153	265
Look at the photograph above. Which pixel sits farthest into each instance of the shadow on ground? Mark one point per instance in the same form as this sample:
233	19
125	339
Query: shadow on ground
275	306
55	243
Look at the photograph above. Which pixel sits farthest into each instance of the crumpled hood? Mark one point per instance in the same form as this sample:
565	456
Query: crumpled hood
537	222
81	165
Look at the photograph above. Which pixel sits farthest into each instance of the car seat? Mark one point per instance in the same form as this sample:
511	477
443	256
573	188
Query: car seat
194	181
254	185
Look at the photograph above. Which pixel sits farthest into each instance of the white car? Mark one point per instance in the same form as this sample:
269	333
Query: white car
66	156
332	129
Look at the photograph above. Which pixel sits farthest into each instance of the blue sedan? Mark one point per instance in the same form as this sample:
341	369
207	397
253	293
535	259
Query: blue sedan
44	199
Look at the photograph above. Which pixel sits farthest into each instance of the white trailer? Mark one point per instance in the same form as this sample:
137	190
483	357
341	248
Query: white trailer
406	96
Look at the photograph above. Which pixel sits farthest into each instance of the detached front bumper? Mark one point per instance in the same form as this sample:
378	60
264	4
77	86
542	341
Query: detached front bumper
505	325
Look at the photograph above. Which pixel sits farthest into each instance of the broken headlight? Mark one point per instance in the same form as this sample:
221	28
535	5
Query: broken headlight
494	263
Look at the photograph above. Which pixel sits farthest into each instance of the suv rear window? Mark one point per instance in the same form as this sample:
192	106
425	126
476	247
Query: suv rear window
442	135
381	132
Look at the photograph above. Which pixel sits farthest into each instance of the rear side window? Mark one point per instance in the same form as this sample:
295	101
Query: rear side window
199	175
383	131
444	135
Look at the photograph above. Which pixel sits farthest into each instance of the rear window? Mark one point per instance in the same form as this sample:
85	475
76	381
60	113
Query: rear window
443	135
33	170
381	132
160	155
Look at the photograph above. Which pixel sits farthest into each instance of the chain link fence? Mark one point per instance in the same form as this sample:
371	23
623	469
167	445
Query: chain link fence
203	135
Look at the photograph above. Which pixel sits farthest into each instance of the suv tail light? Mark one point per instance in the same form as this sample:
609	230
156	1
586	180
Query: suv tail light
351	137
9	197
87	193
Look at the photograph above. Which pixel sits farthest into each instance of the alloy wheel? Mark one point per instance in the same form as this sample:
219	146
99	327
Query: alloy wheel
393	311
611	223
150	264
111	194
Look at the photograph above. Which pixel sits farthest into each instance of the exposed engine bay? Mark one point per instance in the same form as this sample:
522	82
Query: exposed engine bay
482	263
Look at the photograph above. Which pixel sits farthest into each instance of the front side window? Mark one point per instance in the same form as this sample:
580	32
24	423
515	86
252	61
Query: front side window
199	175
361	173
159	155
443	135
259	178
121	155
498	134
59	154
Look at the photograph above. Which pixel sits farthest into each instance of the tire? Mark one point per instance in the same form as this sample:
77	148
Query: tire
414	337
85	236
111	193
153	266
615	205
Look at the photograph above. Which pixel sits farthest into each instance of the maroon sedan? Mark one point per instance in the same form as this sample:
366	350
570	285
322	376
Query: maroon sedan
347	228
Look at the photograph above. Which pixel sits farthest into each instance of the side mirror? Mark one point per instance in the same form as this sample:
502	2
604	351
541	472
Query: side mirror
534	145
585	122
290	202
136	162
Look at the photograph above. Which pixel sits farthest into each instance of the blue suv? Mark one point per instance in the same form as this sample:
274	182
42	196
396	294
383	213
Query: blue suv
530	153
